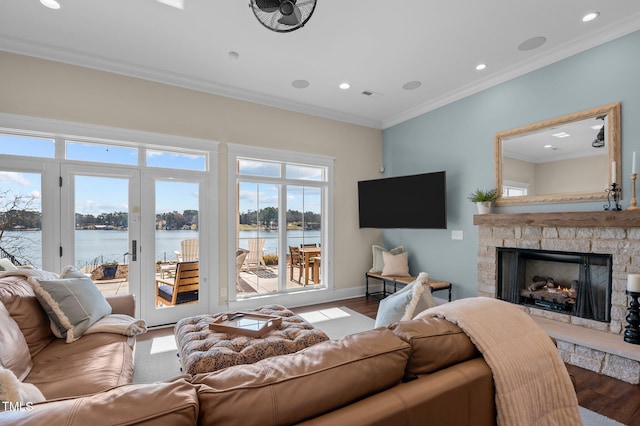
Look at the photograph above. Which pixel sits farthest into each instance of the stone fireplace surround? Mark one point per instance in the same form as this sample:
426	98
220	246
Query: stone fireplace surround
592	345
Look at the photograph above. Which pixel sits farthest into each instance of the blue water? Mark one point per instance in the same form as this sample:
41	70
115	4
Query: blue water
112	245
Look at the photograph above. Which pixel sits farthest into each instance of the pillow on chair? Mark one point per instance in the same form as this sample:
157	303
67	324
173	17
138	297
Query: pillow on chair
378	262
404	304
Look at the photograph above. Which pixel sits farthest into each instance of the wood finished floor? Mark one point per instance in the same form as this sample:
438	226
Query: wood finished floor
612	398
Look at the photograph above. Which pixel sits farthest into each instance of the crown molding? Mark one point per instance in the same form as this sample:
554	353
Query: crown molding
73	57
564	51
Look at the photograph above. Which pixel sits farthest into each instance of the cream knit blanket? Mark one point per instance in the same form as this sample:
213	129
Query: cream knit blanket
532	383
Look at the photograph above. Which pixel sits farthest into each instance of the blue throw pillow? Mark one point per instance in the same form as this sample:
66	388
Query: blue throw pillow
406	303
72	302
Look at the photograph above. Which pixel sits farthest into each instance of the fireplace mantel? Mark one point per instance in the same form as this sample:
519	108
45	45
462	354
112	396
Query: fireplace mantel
594	219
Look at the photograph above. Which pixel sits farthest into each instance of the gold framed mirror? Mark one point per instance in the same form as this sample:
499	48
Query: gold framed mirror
565	159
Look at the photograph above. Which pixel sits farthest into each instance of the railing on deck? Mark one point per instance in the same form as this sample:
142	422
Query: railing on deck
6	255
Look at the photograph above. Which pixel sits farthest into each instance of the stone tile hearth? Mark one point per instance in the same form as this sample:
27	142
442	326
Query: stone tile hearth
589	344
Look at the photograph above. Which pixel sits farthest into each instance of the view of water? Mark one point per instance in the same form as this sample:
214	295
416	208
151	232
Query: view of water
112	245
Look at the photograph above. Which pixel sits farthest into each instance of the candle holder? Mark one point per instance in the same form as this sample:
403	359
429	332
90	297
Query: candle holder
613	194
633	205
632	331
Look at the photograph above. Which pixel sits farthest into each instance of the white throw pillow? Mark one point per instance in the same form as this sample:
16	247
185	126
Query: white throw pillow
16	392
406	303
378	262
397	265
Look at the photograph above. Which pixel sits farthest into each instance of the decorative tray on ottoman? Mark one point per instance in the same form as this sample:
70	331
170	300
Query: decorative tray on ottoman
246	323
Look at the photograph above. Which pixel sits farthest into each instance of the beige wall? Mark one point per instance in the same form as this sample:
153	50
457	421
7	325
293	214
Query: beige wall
41	88
577	175
519	171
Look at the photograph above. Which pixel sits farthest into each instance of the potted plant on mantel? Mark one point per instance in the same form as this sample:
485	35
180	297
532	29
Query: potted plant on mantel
483	199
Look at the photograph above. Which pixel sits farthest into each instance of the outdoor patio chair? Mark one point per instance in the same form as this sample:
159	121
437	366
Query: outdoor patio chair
182	289
295	260
190	250
241	255
254	257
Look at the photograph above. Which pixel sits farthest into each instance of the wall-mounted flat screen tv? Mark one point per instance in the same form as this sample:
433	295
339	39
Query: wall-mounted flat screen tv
415	201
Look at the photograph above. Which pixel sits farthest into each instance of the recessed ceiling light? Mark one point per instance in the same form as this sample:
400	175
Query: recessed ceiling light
480	67
548	146
51	4
590	16
300	84
561	135
597	126
344	86
411	85
532	43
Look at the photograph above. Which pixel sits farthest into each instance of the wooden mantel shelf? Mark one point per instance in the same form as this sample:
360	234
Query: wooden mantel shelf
625	218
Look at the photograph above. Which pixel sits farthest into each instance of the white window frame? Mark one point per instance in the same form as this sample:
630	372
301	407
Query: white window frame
235	152
519	186
81	132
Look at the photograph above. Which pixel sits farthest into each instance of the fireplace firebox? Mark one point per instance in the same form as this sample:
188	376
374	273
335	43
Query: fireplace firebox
577	284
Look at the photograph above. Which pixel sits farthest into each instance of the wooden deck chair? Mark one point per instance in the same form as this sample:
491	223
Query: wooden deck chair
254	257
182	289
190	251
241	255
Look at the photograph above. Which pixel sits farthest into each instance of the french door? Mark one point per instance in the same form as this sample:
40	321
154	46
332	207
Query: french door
100	226
115	218
175	221
116	204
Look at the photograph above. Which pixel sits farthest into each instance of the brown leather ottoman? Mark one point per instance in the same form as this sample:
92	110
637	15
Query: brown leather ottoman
202	350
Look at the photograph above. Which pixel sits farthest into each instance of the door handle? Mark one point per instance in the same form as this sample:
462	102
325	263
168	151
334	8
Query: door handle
134	250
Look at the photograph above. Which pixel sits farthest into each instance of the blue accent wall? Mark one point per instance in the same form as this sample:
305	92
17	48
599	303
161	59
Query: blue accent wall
459	138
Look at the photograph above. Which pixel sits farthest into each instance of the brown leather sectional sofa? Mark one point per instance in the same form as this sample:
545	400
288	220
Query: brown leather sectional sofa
91	364
417	372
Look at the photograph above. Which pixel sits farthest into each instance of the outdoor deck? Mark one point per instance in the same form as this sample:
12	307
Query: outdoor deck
253	282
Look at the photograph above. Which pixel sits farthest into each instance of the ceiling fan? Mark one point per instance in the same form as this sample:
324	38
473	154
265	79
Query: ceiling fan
283	15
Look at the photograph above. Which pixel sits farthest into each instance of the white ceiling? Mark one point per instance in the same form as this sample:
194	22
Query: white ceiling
374	45
544	145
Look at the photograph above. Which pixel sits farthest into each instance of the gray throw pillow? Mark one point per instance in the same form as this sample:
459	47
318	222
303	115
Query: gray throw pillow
378	262
73	303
